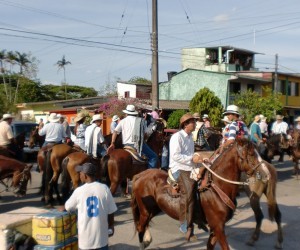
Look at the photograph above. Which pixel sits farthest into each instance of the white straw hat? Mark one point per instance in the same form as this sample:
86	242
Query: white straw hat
53	117
130	109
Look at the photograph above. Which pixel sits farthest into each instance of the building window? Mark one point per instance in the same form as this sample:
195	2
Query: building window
251	87
126	94
235	87
294	88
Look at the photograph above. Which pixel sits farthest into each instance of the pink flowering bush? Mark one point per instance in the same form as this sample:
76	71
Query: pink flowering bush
115	106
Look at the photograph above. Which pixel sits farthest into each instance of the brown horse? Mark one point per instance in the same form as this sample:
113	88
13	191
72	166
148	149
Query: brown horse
36	139
150	193
17	171
18	145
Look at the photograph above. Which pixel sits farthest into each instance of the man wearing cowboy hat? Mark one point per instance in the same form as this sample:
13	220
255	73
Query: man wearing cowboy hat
181	165
53	130
298	123
114	123
94	139
279	126
236	127
79	130
7	139
133	128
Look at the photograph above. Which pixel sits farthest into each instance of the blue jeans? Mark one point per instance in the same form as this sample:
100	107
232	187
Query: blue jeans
152	156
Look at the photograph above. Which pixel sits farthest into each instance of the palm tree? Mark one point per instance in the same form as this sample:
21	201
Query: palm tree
61	65
23	60
2	70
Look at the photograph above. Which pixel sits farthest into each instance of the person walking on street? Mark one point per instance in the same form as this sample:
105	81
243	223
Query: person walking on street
79	130
96	208
255	133
54	131
94	139
133	129
181	165
114	123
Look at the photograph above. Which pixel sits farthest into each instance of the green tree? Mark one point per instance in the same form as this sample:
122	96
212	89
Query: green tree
137	79
206	102
251	103
61	64
174	118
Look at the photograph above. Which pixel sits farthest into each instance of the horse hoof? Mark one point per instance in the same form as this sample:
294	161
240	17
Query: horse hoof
146	243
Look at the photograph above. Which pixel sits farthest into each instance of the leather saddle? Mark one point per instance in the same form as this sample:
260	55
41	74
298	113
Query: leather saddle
135	154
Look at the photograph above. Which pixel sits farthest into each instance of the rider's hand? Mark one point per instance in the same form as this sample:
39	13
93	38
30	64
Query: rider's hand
197	158
110	148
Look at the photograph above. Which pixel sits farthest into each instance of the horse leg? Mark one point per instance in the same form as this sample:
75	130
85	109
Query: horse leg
145	237
281	154
254	203
218	234
279	228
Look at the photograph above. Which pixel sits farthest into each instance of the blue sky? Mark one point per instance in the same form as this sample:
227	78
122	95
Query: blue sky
107	40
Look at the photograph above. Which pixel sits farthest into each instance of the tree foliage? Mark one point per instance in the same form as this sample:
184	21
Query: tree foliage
206	102
137	79
174	118
251	103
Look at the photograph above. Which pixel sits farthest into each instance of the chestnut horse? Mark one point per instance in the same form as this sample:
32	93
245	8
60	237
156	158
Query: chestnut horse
18	144
18	171
36	139
150	193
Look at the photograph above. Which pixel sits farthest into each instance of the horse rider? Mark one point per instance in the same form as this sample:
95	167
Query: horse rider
133	129
64	122
225	130
154	113
200	134
79	130
53	130
181	165
255	132
114	123
236	128
281	127
206	121
94	139
263	126
7	139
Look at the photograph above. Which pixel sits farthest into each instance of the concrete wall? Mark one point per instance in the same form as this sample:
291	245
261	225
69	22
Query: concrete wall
186	84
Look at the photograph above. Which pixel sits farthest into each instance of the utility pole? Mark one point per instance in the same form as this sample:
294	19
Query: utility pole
276	74
154	47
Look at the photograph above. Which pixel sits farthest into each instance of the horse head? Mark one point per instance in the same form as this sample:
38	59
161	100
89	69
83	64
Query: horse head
33	137
249	157
295	138
25	176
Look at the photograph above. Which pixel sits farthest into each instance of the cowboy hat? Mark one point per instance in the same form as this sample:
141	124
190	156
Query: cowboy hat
7	116
96	118
232	109
53	117
196	115
279	117
79	117
297	119
205	116
115	118
130	109
185	118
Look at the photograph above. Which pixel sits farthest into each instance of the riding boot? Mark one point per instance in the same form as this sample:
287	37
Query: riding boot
182	207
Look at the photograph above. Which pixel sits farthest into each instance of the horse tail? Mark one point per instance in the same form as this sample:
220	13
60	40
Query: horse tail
271	193
65	178
134	205
104	163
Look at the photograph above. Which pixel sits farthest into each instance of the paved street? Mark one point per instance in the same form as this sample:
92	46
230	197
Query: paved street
165	232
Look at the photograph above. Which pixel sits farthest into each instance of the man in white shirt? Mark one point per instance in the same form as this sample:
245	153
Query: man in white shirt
94	139
279	126
96	208
133	128
54	131
181	165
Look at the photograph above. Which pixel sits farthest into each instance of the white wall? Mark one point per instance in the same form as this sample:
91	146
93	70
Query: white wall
124	87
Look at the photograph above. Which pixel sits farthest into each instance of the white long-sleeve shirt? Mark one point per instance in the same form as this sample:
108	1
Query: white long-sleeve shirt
181	151
279	127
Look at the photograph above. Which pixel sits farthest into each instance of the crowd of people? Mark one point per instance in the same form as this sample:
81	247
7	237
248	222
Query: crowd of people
94	201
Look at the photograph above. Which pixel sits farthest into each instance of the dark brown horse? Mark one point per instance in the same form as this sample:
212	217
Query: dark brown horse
36	139
150	193
18	172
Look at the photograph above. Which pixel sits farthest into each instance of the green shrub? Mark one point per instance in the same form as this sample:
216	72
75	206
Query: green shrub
173	120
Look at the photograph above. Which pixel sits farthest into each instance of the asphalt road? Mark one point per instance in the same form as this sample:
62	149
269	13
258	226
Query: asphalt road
165	231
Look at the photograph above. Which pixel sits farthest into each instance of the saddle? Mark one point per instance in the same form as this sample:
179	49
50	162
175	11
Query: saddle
135	154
